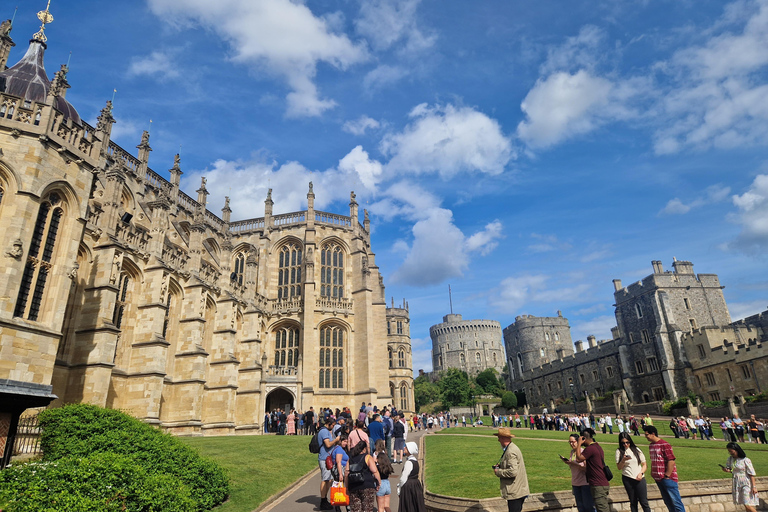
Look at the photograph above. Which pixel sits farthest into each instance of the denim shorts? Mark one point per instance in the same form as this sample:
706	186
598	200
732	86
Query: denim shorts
385	488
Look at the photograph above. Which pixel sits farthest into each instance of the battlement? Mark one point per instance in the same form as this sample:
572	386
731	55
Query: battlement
463	325
681	277
526	321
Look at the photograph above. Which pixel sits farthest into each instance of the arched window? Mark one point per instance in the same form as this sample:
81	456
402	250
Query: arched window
494	358
440	361
541	352
391	362
2	191
462	359
403	397
332	357
392	391
289	272
477	357
401	358
332	271
39	264
520	363
557	336
287	346
121	300
239	270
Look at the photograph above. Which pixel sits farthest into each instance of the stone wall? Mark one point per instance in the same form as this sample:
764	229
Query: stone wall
469	345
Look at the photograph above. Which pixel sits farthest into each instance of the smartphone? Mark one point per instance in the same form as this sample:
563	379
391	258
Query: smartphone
722	466
627	457
563	458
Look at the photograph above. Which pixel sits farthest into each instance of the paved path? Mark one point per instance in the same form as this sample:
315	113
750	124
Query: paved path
305	496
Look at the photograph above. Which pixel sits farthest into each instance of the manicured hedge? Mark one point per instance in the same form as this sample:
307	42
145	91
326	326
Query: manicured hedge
103	460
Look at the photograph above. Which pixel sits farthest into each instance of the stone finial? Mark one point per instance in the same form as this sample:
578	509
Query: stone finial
311	191
226	212
105	120
59	84
268	203
176	171
144	141
202	192
352	197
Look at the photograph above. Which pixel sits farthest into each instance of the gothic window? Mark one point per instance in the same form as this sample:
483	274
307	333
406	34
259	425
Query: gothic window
287	346
332	271
389	352
401	358
123	284
289	272
639	367
239	270
399	327
582	379
332	357
693	324
609	371
477	357
639	310
440	361
39	264
462	359
646	336
403	397
595	375
389	328
546	336
520	363
702	352
559	384
557	336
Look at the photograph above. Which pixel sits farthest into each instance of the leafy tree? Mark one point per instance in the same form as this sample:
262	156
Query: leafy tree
454	387
488	382
509	400
504	374
425	391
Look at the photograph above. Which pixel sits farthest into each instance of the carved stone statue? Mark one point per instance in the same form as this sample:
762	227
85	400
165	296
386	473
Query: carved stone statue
5	28
73	273
145	138
16	249
117	262
310	187
164	287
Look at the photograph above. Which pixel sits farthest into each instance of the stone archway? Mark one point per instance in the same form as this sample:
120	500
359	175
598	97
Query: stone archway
279	398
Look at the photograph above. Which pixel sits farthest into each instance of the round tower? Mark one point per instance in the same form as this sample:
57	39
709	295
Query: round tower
470	345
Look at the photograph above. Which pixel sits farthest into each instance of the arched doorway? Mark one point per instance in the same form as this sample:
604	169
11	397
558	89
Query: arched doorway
279	398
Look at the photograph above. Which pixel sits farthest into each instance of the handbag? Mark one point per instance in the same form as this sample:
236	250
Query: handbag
339	496
608	473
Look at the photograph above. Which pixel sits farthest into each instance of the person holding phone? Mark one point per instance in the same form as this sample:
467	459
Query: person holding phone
631	461
579	484
744	487
593	455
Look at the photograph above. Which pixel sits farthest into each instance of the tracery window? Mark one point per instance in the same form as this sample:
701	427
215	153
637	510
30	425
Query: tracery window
123	284
332	271
477	357
289	272
239	270
401	358
39	264
403	397
287	346
389	352
332	357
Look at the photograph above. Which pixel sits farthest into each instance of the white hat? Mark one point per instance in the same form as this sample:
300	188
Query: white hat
412	448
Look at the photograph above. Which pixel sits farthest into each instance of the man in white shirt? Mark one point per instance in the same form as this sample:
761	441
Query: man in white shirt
609	422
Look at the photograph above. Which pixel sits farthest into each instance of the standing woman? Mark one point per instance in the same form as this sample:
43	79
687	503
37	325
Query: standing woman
291	423
340	459
631	461
744	487
385	470
365	481
409	488
579	484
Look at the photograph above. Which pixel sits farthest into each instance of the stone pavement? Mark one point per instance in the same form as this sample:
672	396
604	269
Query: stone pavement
305	494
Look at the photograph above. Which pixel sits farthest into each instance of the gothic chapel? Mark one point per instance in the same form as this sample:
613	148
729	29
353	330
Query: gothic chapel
118	289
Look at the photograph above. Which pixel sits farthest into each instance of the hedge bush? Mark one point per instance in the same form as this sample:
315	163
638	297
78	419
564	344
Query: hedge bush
103	460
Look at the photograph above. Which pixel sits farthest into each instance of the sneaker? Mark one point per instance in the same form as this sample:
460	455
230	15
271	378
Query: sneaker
325	504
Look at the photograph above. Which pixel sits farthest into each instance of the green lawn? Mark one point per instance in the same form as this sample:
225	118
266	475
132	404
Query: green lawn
459	465
258	466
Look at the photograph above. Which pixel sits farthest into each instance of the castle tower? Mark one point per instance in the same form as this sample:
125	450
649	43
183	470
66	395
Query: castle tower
400	357
469	345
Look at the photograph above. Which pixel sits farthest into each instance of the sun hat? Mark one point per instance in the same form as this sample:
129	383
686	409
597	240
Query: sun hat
504	432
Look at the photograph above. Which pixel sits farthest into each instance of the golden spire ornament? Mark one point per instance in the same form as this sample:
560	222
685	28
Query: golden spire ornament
45	17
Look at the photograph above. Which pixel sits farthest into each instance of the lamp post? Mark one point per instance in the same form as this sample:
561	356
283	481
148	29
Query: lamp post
573	394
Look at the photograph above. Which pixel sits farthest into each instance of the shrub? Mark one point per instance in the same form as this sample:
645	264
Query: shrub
143	467
509	400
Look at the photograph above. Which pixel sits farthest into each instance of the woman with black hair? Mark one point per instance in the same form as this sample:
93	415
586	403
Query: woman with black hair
631	461
362	478
744	487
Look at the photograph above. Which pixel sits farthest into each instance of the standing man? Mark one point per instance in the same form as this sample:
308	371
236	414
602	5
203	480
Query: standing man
592	454
389	426
701	425
664	469
375	431
609	423
511	472
327	442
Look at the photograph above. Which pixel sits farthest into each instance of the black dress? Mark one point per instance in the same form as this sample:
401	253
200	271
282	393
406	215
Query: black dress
412	493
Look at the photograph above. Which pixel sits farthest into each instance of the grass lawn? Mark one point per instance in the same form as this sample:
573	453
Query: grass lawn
460	465
258	466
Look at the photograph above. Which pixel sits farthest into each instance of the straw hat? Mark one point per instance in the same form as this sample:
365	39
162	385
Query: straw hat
504	432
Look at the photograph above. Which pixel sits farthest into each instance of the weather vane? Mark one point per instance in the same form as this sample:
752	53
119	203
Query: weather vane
45	17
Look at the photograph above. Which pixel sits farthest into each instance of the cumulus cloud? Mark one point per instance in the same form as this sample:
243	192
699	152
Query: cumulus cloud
741	310
515	292
383	76
159	64
486	240
448	140
753	217
599	326
360	125
280	36
387	22
713	194
578	52
564	105
358	162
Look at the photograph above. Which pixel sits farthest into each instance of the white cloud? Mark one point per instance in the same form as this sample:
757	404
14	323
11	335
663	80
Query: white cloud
280	36
422	354
387	22
713	194
741	310
753	217
158	63
486	240
448	140
360	125
518	291
578	52
358	162
564	105
599	326
383	76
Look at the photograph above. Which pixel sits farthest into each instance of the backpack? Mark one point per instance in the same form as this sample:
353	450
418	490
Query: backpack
356	476
314	443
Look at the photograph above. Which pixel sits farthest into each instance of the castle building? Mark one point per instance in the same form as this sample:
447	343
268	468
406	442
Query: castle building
673	334
118	289
400	356
469	345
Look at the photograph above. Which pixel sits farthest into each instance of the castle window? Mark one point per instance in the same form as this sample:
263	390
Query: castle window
289	272
639	367
710	377
332	271
702	352
698	381
389	328
462	359
646	336
653	364
38	265
494	358
557	336
401	358
559	385
714	397
332	357
403	397
440	361
447	346
399	327
687	303
287	346
595	375
546	336
609	371
658	393
120	301
693	324
745	371
477	343
477	357
631	338
639	310
542	353
730	377
520	365
582	379
239	271
559	353
389	353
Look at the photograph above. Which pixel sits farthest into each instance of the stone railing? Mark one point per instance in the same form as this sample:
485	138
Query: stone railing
158	181
175	257
80	137
214	221
330	305
289	218
133	235
287	306
243	226
332	218
21	110
282	371
187	202
118	154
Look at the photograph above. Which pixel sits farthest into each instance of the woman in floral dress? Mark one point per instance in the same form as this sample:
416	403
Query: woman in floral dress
744	486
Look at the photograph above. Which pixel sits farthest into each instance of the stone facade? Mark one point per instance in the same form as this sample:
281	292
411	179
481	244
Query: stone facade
121	290
673	334
470	345
400	356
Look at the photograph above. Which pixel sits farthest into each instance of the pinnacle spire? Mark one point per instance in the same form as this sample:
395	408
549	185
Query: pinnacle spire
45	18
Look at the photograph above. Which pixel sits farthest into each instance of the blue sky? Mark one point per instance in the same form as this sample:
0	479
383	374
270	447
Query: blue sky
526	155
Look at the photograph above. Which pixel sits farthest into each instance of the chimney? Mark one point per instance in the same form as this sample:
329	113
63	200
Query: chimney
579	346
617	284
592	341
657	267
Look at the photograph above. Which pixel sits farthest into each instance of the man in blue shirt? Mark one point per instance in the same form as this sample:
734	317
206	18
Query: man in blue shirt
327	442
375	431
